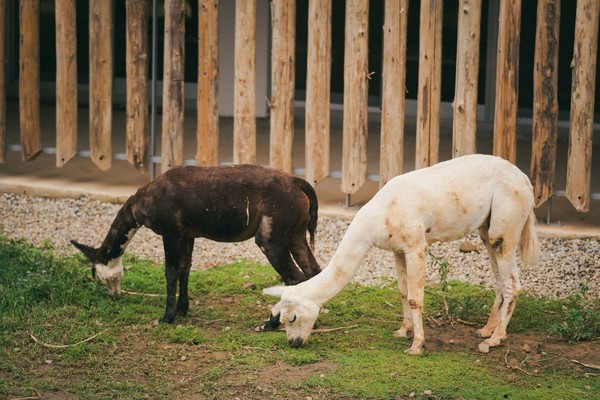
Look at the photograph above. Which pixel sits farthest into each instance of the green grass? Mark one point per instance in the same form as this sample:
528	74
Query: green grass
215	353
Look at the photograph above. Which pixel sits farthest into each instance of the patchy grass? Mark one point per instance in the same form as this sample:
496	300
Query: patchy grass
214	352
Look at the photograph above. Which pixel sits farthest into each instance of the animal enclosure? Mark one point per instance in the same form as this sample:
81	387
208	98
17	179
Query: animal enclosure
142	57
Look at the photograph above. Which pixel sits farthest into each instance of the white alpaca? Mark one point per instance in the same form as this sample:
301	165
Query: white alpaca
441	203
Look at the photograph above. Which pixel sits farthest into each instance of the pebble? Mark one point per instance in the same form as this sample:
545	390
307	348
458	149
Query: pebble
565	265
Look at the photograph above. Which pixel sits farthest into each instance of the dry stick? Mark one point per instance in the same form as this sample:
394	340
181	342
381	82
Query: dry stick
39	396
328	329
592	366
466	322
141	294
334	329
64	346
510	366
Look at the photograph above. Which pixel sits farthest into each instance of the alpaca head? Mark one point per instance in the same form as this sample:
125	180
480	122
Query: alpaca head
109	274
297	314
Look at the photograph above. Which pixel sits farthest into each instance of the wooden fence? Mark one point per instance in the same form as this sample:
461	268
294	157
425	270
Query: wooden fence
317	118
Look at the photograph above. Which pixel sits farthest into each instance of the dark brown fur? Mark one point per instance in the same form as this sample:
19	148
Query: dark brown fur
225	204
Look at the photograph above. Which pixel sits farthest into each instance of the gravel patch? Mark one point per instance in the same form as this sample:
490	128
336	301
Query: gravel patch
564	265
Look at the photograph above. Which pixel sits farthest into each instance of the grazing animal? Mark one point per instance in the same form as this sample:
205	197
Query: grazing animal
441	203
225	204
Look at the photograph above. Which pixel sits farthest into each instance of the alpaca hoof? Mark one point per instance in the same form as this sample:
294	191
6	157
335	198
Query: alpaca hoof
479	333
414	351
401	333
484	347
166	320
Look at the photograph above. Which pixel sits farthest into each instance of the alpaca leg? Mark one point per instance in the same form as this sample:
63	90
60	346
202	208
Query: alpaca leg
303	256
507	268
277	251
172	257
407	322
489	327
185	264
415	284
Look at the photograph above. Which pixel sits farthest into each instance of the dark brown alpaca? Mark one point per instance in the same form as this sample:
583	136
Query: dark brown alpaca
225	204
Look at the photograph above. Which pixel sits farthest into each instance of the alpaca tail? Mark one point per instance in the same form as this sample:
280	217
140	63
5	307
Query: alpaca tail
529	245
313	208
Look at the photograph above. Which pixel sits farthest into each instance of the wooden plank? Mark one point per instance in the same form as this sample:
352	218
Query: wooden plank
66	81
207	151
507	80
137	121
283	22
356	70
29	79
579	164
318	86
2	81
545	100
429	90
244	102
393	98
464	124
101	83
173	81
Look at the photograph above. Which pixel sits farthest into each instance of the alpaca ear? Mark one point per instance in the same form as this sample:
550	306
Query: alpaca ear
276	291
88	251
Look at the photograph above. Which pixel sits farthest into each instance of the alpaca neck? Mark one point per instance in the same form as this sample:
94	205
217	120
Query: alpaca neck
348	257
121	231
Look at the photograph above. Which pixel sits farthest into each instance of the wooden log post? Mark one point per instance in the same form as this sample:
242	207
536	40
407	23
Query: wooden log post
244	103
29	79
393	87
173	81
579	164
101	83
207	134
356	71
429	89
283	22
318	86
507	80
464	123
2	81
66	81
545	100
137	122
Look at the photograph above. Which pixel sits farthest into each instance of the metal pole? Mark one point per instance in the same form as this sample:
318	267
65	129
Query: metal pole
153	95
549	211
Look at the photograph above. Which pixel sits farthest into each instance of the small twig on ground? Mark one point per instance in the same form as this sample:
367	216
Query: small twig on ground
462	321
141	294
64	346
592	366
435	321
322	330
333	329
39	396
510	366
269	350
390	304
